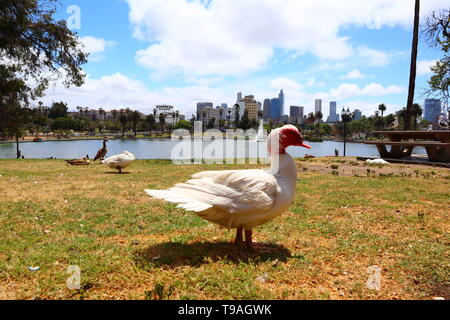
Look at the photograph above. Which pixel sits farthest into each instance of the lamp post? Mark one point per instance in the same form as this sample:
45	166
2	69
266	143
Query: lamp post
346	116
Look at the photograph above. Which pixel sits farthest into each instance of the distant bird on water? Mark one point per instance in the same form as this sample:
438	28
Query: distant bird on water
79	162
119	161
394	124
442	123
102	152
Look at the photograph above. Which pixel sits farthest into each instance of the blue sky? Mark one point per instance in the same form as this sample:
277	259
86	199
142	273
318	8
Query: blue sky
148	52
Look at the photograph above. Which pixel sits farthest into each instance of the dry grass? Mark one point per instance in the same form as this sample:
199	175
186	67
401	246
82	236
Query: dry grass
53	216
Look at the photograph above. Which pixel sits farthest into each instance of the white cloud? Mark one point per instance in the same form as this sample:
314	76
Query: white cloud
227	37
423	67
96	47
119	91
354	74
347	91
372	57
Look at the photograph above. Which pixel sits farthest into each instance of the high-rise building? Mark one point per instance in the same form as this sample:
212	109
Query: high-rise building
281	97
266	109
433	109
275	109
201	105
318	106
357	114
251	106
294	112
333	117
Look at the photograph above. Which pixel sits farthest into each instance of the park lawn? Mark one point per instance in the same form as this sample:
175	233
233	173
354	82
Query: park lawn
129	246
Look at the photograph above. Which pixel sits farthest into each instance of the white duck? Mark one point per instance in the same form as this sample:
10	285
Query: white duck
242	199
119	161
394	124
442	123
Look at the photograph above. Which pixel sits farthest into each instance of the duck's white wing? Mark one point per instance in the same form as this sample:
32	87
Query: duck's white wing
118	160
235	191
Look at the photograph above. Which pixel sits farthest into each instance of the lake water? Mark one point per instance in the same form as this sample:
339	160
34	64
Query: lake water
162	149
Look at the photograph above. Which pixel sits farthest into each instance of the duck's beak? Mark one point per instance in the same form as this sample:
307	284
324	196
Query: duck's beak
304	145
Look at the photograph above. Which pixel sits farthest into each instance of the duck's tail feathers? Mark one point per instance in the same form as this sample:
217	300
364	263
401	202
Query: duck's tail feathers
182	201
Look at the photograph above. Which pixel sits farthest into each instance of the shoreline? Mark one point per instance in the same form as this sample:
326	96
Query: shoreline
97	138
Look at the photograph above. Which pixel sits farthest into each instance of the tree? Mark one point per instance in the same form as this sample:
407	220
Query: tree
65	124
114	113
237	114
417	112
436	31
318	116
35	49
123	119
382	108
13	118
135	118
211	123
412	71
162	121
151	123
245	123
184	124
31	42
58	110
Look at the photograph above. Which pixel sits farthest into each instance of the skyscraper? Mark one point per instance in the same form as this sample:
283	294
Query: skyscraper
275	109
202	105
281	97
333	117
294	112
433	109
357	114
266	109
318	106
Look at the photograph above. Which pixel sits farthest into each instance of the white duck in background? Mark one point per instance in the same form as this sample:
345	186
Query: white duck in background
242	199
442	123
120	161
394	124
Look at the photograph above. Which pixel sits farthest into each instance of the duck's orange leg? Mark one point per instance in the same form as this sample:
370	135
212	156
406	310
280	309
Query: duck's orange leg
248	238
238	239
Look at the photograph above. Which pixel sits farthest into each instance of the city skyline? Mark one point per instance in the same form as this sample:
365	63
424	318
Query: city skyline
141	57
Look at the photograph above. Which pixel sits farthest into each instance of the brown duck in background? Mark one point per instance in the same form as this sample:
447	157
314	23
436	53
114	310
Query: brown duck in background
79	162
103	151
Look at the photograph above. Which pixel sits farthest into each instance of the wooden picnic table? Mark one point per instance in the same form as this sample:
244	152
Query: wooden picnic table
437	144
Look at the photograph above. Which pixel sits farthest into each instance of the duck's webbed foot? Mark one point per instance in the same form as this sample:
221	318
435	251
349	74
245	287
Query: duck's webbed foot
255	246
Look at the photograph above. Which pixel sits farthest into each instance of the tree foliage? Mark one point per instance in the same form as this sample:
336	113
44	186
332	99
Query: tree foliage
36	47
436	32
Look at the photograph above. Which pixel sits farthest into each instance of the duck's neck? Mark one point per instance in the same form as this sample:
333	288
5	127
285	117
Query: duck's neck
104	144
283	164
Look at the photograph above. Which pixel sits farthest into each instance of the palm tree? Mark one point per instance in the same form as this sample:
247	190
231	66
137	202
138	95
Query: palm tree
123	120
417	112
412	72
114	115
151	123
402	114
382	108
135	117
162	121
237	114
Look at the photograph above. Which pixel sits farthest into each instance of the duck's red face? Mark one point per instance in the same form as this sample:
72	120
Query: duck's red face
290	136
